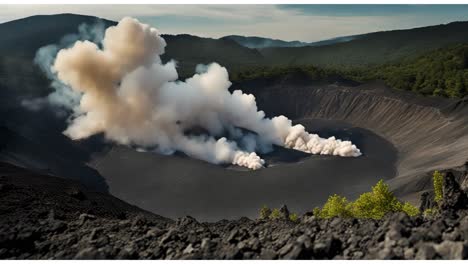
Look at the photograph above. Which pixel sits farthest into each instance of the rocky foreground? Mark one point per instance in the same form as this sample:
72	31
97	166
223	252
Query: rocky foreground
44	217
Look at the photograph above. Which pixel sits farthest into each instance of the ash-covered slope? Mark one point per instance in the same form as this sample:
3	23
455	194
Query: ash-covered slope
38	195
429	133
58	156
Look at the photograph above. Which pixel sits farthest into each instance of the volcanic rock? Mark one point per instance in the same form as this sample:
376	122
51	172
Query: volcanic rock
453	197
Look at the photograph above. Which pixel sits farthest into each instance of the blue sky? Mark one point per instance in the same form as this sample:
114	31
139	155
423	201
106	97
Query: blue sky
288	22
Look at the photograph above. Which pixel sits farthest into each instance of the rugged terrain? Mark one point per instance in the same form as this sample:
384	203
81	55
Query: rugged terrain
46	217
404	138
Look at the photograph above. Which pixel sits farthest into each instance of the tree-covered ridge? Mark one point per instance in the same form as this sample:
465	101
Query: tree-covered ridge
373	49
255	72
443	72
404	59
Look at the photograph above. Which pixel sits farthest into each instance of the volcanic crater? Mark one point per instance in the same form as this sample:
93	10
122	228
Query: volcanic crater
403	138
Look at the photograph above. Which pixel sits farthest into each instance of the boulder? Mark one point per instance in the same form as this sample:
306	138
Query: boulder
427	201
284	212
425	251
453	197
452	250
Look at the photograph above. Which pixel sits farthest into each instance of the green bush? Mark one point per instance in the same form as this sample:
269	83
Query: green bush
335	206
374	204
437	179
275	214
377	203
293	217
430	212
265	212
316	211
410	209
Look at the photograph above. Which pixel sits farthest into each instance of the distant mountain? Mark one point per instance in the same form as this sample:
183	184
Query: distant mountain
190	50
24	36
260	43
20	39
336	40
373	48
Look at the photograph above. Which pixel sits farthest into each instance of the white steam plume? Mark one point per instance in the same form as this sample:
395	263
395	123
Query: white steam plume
131	97
62	97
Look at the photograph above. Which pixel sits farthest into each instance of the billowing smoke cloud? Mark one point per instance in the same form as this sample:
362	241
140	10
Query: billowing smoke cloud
62	97
128	94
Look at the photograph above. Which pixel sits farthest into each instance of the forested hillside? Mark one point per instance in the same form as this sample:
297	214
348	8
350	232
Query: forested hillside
429	60
373	48
441	72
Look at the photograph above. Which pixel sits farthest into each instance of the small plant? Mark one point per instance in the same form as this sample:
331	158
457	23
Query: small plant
293	217
410	209
275	214
429	212
335	206
265	212
316	211
375	204
437	179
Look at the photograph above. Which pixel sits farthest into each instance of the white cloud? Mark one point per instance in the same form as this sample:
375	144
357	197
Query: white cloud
256	20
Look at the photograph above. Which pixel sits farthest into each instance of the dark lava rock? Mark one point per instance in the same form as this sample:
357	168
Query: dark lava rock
425	251
89	253
85	217
284	212
427	201
327	248
51	229
453	197
298	251
77	194
452	250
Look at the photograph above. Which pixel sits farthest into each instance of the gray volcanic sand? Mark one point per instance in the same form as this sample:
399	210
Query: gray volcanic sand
175	186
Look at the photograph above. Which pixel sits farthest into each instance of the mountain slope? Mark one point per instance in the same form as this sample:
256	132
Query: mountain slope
190	50
260	42
20	39
373	48
24	36
443	72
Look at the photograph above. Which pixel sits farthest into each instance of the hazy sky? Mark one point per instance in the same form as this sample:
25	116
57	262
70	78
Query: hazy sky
288	22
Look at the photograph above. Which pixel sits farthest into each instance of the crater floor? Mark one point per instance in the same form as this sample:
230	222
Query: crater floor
176	186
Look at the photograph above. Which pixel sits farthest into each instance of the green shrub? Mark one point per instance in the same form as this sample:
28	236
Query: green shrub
375	204
429	212
410	209
316	212
335	206
293	217
265	212
275	214
437	179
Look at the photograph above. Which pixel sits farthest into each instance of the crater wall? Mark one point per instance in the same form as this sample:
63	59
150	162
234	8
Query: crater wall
429	133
